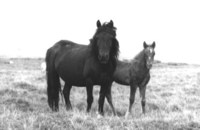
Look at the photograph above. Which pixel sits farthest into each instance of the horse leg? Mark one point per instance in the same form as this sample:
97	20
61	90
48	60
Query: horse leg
142	95
109	98
66	93
101	100
132	96
142	88
89	88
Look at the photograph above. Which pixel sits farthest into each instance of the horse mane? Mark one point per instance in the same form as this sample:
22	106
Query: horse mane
105	27
138	57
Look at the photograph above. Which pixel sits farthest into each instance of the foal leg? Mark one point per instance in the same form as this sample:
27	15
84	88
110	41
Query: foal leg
109	98
66	93
142	88
142	95
89	88
132	96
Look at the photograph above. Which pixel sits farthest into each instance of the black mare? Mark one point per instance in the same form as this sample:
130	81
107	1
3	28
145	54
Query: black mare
136	73
83	66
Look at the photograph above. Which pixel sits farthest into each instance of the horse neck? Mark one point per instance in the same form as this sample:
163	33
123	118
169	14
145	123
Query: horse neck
141	62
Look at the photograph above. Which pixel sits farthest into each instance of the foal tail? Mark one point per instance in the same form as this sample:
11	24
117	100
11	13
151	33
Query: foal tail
53	81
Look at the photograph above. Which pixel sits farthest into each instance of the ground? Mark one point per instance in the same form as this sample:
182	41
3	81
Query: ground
172	96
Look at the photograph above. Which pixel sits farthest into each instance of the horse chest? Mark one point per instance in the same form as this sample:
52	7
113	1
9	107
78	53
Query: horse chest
140	78
98	73
99	77
139	75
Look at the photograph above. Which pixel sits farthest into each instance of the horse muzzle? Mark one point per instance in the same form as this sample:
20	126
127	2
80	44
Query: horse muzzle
149	66
103	58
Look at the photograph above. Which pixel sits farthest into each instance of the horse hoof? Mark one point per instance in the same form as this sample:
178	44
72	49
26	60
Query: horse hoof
99	116
68	108
116	116
55	109
127	115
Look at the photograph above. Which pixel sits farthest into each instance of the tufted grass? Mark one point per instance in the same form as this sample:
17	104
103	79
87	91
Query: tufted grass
172	96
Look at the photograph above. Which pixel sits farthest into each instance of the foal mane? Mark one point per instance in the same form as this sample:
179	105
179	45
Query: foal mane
138	57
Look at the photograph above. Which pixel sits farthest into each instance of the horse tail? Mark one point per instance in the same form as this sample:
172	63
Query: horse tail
53	81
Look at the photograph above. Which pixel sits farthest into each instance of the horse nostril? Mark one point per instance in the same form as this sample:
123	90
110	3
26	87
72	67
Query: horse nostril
106	56
100	57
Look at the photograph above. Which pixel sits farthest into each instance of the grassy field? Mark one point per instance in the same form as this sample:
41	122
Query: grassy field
173	101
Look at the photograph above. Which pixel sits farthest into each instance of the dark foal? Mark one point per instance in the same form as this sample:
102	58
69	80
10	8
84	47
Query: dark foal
136	73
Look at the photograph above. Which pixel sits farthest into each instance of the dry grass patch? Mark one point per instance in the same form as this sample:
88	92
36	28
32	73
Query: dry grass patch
172	101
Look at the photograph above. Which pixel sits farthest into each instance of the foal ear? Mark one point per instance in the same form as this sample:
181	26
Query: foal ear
98	23
145	45
111	24
154	44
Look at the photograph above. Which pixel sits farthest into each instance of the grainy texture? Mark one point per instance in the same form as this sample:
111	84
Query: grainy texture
173	101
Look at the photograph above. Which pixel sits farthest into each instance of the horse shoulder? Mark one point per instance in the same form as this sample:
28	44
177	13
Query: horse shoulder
89	67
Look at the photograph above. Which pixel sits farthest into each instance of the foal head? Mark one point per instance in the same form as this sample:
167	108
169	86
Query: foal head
149	54
104	43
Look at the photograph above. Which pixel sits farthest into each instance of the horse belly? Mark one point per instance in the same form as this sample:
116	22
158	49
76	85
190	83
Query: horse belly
73	80
121	77
72	74
71	70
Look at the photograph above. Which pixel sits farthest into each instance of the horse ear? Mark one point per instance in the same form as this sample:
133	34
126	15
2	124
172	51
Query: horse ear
98	23
145	45
154	44
111	23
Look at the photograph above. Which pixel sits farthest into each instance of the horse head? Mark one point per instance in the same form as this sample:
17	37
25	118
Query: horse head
149	54
104	43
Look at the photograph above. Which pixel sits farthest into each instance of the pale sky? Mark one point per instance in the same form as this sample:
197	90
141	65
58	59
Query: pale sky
29	27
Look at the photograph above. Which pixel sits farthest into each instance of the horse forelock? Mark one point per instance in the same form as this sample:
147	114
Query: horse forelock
114	52
106	28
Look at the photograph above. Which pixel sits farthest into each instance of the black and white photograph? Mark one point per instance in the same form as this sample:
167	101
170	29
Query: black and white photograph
99	65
